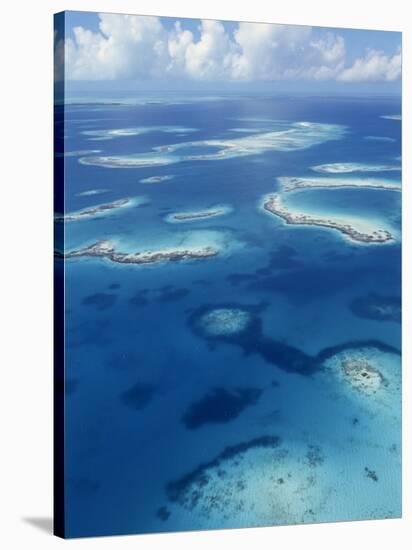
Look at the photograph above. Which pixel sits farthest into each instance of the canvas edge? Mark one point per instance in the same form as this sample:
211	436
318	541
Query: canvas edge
59	524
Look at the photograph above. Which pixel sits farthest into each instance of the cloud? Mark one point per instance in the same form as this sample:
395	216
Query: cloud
285	52
127	46
140	47
264	49
211	57
374	66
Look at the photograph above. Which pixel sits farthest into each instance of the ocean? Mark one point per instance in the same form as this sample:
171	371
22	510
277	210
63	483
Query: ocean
260	385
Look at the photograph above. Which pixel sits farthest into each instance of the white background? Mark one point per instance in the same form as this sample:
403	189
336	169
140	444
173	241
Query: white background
26	34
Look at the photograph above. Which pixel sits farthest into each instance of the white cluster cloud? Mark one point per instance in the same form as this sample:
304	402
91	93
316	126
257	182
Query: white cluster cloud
127	46
374	66
133	47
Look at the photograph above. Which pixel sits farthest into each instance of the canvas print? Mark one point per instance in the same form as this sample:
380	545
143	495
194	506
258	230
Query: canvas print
227	274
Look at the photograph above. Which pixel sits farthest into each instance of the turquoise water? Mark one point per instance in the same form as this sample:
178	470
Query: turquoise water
282	434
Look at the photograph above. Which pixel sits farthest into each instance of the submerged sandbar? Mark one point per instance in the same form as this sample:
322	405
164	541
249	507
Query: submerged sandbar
349	167
377	307
78	153
112	133
291	137
294	184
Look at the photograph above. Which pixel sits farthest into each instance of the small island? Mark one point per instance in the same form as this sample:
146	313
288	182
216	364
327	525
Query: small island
91	192
157	179
392	117
273	204
106	249
364	369
198	214
295	184
139	160
362	375
92	211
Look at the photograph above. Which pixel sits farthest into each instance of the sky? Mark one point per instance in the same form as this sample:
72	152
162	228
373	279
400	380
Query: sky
116	51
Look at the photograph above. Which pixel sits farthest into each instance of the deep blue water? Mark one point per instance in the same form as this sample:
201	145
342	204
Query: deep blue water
136	364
